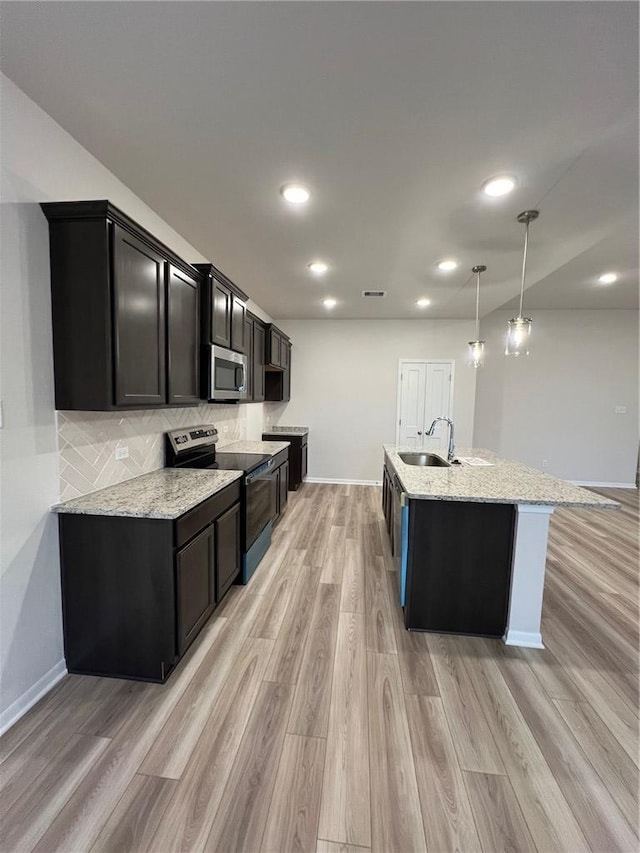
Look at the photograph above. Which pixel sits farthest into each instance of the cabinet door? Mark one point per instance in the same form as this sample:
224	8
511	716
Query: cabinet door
286	377
238	329
274	348
249	383
227	549
220	314
195	586
139	322
183	349
303	466
283	487
258	362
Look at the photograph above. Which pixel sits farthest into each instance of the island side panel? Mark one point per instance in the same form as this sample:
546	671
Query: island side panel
459	566
527	576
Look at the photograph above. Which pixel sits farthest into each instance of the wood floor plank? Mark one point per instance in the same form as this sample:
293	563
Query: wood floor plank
613	765
292	822
446	810
172	749
414	658
333	566
61	696
287	654
241	817
79	822
393	778
473	741
554	677
593	807
27	761
276	601
134	820
345	808
378	606
621	720
352	599
189	816
24	824
335	847
501	824
545	809
311	701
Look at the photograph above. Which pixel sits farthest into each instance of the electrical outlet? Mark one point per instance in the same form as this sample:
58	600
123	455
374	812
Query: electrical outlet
621	410
225	429
545	463
122	452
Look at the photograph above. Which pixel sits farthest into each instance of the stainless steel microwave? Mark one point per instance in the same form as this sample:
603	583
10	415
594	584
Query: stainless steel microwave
226	374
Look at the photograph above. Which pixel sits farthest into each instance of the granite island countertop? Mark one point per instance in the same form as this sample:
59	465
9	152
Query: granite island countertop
504	481
286	430
166	493
269	448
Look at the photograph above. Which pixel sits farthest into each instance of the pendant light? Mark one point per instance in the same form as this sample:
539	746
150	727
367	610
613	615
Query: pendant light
520	327
476	348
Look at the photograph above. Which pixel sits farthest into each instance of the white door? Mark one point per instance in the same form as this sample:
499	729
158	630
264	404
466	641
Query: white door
412	390
425	393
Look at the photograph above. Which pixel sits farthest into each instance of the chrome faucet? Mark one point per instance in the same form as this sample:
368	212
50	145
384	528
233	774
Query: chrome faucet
452	451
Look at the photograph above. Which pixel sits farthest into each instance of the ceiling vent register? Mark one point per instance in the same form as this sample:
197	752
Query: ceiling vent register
374	293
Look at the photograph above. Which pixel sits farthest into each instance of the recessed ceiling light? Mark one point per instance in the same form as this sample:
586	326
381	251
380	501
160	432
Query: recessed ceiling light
447	265
608	278
329	303
295	193
317	267
423	303
501	185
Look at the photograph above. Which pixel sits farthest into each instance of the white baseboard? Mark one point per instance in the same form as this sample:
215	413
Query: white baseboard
599	485
524	639
28	699
343	482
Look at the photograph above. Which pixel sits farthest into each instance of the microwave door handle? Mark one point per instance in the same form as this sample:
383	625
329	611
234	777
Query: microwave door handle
239	380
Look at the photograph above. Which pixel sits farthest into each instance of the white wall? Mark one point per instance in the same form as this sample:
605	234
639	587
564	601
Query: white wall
558	404
344	386
41	162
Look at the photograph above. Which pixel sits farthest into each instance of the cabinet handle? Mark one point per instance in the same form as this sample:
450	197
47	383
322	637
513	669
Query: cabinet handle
419	433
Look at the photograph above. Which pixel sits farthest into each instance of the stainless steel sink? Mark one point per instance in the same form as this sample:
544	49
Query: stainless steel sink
424	460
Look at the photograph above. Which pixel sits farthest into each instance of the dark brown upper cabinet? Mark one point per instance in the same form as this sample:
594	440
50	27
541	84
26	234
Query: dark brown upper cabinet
183	316
124	310
249	352
277	381
258	361
223	310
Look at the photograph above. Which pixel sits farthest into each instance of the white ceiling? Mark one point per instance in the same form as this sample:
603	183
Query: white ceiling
393	113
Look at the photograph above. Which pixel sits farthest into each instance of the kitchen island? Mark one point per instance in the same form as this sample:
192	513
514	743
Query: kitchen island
470	542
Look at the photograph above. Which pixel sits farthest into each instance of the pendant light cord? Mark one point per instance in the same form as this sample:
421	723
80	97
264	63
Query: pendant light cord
524	266
478	307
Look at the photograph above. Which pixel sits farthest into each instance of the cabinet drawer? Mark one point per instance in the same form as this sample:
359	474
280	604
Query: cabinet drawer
204	513
281	457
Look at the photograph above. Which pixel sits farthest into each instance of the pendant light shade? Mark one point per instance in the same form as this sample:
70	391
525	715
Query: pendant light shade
519	328
476	348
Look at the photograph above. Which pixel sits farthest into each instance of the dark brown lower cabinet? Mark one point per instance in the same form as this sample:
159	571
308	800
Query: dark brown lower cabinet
136	591
297	456
284	488
195	586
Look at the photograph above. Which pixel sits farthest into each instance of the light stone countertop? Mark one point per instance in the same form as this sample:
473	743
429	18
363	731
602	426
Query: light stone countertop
165	493
286	430
270	448
504	482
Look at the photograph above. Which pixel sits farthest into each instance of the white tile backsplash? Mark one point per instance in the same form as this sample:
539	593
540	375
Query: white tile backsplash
87	442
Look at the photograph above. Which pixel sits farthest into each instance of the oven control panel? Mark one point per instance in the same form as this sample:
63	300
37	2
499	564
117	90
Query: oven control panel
192	437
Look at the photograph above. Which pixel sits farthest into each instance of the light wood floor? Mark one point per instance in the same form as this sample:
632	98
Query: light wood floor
306	718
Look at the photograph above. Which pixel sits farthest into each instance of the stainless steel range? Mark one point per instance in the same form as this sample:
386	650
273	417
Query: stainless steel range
195	447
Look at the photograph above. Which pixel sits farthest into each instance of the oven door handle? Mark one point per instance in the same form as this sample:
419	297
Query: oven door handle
263	469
